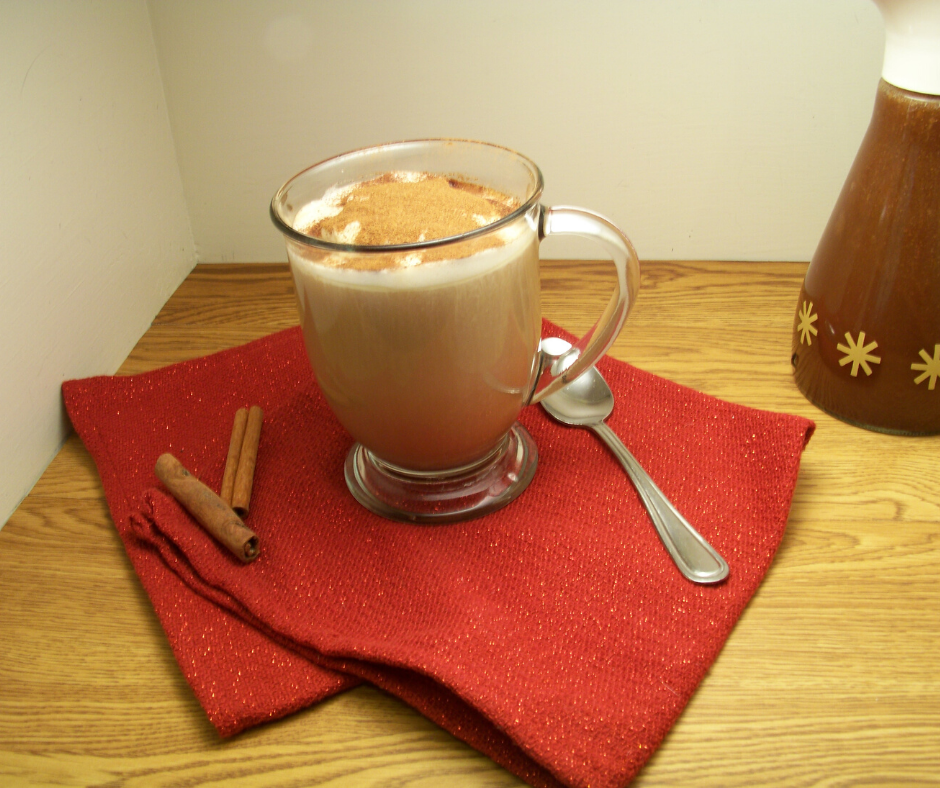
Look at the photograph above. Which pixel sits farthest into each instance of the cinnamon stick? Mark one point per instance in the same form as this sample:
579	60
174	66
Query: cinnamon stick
247	458
234	452
210	511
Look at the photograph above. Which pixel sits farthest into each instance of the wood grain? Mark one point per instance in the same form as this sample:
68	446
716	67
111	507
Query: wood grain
831	678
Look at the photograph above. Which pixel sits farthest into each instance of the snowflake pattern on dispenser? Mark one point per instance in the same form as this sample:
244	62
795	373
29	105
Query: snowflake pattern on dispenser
929	369
858	353
806	327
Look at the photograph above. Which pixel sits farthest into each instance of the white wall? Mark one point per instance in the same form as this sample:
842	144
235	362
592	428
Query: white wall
94	235
709	129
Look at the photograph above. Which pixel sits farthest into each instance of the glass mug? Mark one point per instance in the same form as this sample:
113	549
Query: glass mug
428	366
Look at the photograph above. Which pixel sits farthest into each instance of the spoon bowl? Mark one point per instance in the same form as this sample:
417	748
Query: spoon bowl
586	402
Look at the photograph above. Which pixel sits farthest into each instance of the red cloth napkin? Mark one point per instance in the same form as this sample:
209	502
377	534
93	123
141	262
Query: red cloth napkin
554	635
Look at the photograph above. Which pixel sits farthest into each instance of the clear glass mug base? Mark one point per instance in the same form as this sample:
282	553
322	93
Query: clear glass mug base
461	495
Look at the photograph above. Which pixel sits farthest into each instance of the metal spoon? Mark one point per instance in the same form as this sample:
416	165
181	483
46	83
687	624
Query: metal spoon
586	402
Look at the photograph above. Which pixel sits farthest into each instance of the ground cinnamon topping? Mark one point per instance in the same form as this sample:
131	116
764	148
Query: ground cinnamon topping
398	208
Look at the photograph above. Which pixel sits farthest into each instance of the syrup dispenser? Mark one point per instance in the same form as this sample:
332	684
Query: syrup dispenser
866	336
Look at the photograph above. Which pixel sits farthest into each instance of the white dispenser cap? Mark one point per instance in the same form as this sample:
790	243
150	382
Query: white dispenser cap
912	44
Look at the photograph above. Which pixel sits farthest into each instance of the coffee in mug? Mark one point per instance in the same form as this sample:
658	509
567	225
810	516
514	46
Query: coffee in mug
416	272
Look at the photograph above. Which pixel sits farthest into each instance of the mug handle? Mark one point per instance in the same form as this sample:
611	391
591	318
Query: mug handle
554	371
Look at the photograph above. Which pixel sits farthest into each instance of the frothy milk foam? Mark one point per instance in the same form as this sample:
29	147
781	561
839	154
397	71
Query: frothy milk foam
426	357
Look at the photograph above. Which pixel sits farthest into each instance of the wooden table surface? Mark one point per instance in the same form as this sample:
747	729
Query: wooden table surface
831	677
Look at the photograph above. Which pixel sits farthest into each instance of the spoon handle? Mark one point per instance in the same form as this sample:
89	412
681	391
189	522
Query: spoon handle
697	559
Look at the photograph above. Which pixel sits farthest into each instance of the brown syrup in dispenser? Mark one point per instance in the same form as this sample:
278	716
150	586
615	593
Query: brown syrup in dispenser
866	336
